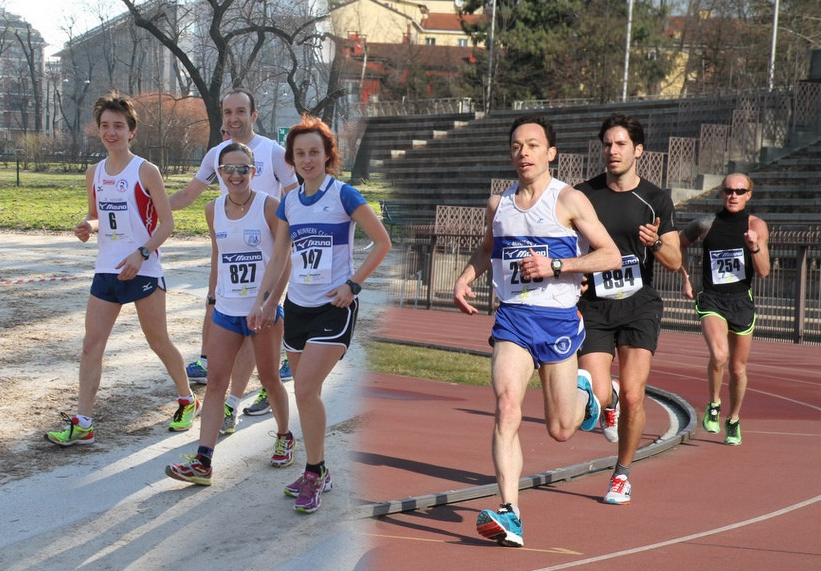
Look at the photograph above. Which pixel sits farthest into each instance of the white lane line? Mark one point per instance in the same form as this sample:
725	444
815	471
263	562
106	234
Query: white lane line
686	538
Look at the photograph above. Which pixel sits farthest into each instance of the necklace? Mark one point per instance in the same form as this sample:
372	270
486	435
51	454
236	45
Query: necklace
242	206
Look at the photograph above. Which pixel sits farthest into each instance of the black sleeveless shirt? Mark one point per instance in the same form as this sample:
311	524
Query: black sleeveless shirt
727	262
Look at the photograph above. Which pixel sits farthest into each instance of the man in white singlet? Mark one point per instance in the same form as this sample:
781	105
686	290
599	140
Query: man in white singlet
537	236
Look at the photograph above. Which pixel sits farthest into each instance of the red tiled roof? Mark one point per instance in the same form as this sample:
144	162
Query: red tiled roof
449	22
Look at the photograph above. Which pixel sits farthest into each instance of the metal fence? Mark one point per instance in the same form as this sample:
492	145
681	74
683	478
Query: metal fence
788	301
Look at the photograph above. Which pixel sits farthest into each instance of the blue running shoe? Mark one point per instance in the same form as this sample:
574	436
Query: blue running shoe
285	371
197	372
591	413
502	526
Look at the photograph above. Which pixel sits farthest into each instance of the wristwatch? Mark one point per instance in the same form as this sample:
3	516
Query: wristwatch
355	287
144	252
657	245
210	300
556	266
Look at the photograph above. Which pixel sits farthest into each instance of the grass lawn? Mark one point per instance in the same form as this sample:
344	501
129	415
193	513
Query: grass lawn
57	201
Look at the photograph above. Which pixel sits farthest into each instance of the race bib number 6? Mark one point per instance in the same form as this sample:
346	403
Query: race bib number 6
312	260
621	283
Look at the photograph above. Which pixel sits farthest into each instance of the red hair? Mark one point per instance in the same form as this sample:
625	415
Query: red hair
311	124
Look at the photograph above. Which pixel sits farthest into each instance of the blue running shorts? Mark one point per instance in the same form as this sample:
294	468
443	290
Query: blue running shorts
549	334
108	288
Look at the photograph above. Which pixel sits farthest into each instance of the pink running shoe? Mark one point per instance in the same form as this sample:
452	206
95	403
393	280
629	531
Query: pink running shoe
310	492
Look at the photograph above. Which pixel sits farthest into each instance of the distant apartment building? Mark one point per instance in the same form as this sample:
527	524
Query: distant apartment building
386	42
22	51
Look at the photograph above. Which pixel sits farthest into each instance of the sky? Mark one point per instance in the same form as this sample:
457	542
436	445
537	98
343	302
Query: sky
49	16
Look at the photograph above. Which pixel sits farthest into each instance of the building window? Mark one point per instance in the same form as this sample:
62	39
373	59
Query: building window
462	42
430	41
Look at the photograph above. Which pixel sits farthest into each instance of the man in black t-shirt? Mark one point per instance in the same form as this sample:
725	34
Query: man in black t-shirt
621	308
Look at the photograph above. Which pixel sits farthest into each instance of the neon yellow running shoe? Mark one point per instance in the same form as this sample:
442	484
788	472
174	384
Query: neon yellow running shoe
733	436
71	434
184	417
711	420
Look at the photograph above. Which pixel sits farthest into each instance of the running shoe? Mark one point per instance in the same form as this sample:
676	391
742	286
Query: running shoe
285	371
310	492
283	450
711	418
229	423
619	493
293	489
72	433
184	417
192	471
733	436
502	526
610	416
260	406
197	372
591	413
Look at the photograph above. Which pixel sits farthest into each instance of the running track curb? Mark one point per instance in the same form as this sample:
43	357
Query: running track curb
682	426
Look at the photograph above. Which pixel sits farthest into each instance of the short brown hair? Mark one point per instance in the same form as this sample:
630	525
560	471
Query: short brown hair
114	102
311	124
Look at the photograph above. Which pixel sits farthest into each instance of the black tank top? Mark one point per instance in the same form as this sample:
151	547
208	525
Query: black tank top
727	263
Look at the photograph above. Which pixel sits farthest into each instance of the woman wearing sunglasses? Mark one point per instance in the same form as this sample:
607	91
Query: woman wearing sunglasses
242	224
316	232
735	249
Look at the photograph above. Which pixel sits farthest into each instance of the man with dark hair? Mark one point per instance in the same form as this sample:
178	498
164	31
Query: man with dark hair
621	308
272	176
536	242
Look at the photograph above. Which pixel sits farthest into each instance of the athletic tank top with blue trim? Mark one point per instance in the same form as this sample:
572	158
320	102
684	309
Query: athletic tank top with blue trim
515	232
322	232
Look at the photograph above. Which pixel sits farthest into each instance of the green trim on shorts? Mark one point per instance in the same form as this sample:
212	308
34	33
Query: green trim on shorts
748	331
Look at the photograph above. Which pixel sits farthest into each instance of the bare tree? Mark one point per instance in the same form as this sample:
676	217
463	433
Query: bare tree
31	46
220	43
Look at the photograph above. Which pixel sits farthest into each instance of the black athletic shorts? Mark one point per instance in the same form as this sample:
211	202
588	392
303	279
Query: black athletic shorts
326	324
634	322
737	309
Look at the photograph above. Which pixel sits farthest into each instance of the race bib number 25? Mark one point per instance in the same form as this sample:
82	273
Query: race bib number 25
514	283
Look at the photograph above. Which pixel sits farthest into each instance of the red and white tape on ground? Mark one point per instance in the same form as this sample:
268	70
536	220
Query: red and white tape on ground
36	280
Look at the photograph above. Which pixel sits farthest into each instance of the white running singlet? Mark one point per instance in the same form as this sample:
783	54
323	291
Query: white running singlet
515	233
245	245
321	232
126	217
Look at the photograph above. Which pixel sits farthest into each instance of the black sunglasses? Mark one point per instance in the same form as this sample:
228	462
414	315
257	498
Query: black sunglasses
736	191
231	169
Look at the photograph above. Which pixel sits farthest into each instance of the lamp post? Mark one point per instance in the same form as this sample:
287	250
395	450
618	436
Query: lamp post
771	73
627	51
490	56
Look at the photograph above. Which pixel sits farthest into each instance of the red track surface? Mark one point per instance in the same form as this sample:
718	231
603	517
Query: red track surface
701	505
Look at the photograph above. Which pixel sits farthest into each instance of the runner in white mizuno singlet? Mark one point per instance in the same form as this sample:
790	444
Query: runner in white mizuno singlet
516	232
245	246
315	233
322	231
127	219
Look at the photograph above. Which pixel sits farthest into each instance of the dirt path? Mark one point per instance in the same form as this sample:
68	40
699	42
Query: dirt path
44	281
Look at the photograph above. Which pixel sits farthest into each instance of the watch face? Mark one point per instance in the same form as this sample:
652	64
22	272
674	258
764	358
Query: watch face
556	264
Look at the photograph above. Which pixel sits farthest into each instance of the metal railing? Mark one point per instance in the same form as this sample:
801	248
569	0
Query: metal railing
788	301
